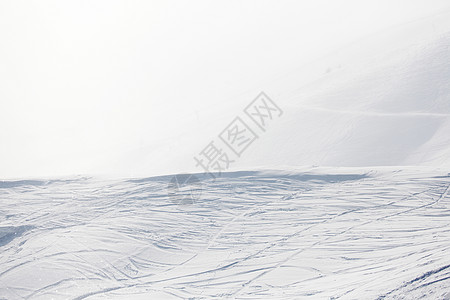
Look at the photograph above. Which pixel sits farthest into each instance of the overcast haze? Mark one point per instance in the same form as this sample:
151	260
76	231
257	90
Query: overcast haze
88	84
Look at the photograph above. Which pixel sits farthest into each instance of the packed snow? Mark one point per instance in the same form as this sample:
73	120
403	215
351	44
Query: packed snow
318	233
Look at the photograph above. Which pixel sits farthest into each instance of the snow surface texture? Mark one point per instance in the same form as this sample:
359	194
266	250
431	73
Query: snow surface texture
356	234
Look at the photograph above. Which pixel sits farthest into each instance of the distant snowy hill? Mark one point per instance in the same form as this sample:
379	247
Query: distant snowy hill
381	101
377	105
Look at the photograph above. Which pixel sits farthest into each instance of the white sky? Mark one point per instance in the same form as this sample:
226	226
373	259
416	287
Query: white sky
85	83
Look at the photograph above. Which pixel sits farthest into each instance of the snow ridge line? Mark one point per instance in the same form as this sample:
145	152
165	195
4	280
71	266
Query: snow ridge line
374	113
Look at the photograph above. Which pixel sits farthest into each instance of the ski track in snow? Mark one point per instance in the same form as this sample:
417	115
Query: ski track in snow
373	235
374	113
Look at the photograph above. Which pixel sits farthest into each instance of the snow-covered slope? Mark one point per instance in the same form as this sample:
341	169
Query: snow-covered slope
384	100
372	105
359	232
320	234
